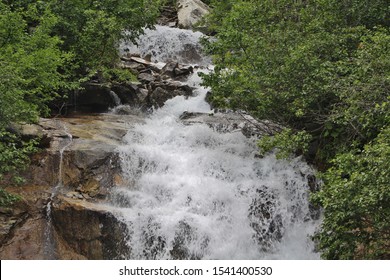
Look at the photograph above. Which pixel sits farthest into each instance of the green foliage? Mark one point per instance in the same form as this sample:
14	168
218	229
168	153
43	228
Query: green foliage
322	70
286	143
356	200
14	154
91	30
219	11
29	63
7	199
119	75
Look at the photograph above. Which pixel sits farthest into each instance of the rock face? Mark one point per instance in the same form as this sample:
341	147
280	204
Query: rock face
231	121
81	227
23	227
89	229
90	153
190	12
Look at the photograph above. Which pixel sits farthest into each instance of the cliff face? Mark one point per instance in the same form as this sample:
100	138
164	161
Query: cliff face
70	220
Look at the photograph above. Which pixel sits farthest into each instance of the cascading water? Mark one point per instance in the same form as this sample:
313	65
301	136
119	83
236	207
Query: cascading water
194	193
49	243
169	44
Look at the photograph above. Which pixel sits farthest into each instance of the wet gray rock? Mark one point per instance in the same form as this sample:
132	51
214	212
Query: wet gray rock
133	66
183	70
146	78
231	122
158	97
169	69
191	53
162	91
174	70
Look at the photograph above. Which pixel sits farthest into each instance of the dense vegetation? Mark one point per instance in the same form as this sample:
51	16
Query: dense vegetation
47	49
321	69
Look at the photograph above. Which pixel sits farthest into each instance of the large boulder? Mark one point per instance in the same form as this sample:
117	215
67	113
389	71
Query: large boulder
93	152
175	70
190	12
99	98
160	92
128	93
94	98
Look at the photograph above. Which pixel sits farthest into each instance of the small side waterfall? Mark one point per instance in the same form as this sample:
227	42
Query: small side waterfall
115	98
49	242
194	193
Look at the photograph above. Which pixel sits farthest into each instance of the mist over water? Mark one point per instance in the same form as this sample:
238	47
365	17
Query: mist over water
191	192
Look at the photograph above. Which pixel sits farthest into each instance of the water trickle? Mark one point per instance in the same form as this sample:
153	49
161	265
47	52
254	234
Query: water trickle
49	249
115	98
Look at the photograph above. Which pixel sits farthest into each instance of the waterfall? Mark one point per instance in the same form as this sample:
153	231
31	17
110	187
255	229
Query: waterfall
49	249
169	44
192	192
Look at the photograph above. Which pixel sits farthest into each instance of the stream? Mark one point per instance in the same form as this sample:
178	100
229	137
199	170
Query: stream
193	192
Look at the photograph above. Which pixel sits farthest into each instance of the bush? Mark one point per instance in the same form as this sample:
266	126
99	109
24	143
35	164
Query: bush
356	200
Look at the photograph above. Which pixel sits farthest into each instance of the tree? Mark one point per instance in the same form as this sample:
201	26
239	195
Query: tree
92	30
356	199
29	63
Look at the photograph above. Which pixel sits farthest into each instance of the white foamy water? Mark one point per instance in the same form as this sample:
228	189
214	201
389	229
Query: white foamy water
194	193
169	44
